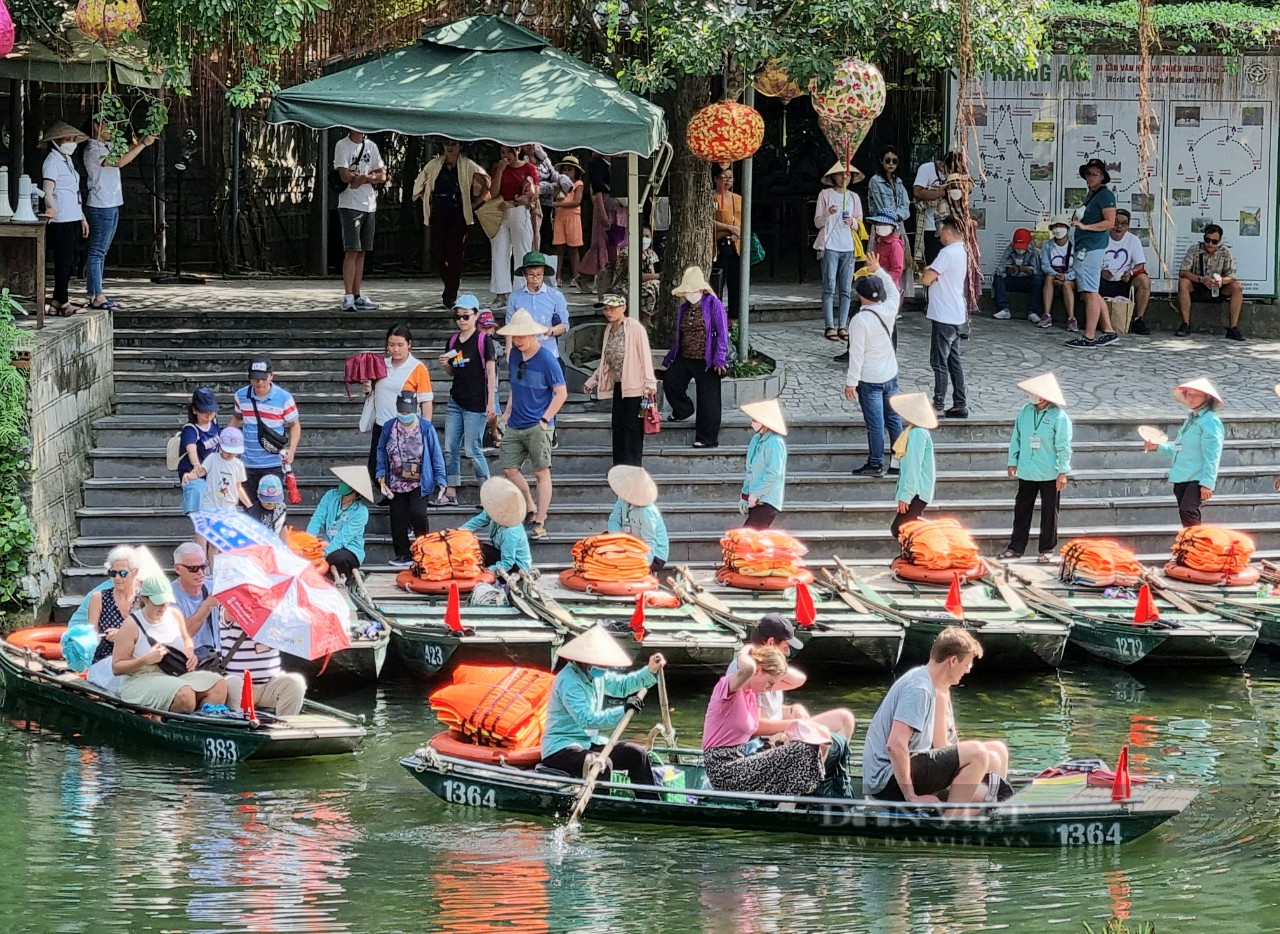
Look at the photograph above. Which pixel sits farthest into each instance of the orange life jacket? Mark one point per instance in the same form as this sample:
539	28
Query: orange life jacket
937	544
495	706
1099	562
611	557
451	554
1213	549
762	553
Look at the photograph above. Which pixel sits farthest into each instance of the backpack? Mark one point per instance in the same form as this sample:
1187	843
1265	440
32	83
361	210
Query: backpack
453	342
173	450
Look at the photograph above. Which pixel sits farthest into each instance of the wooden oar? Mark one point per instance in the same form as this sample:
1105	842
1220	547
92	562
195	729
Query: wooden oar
842	593
1167	592
597	766
554	608
1043	596
999	577
668	731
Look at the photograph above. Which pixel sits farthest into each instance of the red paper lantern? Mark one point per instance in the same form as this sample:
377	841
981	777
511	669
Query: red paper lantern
6	30
108	20
725	132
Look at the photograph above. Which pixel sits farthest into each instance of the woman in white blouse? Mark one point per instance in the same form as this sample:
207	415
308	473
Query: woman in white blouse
106	195
836	218
67	224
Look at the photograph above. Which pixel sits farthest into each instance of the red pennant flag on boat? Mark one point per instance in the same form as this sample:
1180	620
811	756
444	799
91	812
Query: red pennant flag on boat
1120	790
246	698
806	612
1145	610
954	605
453	610
637	618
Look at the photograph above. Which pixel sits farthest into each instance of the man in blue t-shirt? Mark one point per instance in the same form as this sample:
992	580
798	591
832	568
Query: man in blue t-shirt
1093	231
537	393
276	410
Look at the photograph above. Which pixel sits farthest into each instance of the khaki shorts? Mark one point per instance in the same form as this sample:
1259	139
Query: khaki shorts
521	444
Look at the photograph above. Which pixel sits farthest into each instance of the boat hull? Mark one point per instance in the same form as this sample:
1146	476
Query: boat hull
355	667
427	652
1006	647
1128	645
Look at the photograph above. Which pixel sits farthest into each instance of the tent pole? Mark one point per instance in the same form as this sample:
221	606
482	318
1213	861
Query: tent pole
235	191
322	188
16	88
633	235
744	263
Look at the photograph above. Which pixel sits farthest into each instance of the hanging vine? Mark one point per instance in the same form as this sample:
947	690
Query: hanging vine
16	529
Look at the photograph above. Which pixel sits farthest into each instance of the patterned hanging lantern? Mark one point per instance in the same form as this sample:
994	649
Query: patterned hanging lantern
107	20
847	107
725	132
6	30
775	82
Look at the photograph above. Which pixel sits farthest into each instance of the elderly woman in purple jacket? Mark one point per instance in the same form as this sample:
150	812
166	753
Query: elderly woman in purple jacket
700	352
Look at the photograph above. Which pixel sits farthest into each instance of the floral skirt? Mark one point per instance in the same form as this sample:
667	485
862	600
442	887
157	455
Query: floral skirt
789	769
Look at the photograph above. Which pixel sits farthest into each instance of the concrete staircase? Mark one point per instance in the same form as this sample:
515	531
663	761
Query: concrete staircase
161	355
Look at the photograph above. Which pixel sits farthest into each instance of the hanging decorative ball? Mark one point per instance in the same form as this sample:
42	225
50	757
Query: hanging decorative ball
107	20
774	81
847	106
725	132
6	30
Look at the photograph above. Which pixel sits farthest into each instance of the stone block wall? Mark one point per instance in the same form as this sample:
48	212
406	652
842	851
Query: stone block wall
71	385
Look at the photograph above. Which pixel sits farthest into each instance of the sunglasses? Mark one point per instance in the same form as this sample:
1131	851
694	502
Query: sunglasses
889	161
463	317
120	574
520	370
1212	239
194	568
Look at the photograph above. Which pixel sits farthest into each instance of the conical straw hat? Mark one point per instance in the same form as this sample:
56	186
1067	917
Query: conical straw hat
1045	386
522	325
692	281
503	501
596	647
916	408
1202	384
852	171
356	477
633	485
60	129
768	413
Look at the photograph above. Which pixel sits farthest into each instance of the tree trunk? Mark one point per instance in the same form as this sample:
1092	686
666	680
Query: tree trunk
689	186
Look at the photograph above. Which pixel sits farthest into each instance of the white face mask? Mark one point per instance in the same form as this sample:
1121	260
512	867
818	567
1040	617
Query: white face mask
67	148
646	242
1059	233
883	230
955	194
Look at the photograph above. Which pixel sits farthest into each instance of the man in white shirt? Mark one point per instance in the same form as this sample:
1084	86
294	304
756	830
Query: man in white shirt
930	187
1124	267
360	166
873	363
945	279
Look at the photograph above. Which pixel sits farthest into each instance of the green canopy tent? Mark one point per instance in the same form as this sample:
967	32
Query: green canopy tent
484	77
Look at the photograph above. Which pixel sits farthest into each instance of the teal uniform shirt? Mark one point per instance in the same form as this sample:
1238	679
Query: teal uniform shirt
645	523
766	468
1197	449
341	528
576	714
916	471
1041	444
512	543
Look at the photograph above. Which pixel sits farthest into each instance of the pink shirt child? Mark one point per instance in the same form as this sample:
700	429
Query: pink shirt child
889	252
732	719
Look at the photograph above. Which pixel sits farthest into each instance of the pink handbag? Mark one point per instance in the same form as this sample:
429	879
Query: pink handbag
652	420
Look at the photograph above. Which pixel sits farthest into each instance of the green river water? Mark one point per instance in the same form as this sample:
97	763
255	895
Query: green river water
120	837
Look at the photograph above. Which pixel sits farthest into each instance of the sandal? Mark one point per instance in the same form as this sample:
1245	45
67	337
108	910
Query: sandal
830	334
65	310
108	305
1009	556
1046	558
843	334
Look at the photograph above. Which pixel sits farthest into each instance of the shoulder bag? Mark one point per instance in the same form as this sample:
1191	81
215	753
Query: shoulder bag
174	661
336	184
269	439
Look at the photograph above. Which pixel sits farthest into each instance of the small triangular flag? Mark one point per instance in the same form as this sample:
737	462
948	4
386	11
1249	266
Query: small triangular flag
1145	610
954	605
637	618
1120	787
806	612
453	609
246	698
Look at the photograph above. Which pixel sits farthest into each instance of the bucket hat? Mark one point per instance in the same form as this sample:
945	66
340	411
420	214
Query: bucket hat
1097	164
693	280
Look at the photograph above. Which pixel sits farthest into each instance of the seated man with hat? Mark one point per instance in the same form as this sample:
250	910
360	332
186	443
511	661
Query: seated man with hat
340	519
544	302
1019	270
635	513
500	524
1124	271
576	711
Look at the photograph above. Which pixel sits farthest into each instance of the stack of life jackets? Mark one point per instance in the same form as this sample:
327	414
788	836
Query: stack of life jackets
1208	554
756	558
305	545
495	706
938	545
1098	562
452	554
611	557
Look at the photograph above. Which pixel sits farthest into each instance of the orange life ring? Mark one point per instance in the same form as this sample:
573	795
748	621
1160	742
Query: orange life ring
943	578
407	580
45	641
608	588
772	582
447	744
1180	572
661	599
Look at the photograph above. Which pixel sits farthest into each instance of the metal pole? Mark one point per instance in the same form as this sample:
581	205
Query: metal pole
160	208
323	160
235	190
744	260
16	89
633	235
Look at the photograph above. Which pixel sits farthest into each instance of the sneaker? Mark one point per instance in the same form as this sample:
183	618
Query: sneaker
870	470
1071	325
1138	326
1033	318
401	562
1105	338
956	411
1081	343
1045	322
555	438
892	472
348	303
365	304
529	520
444	499
938	406
1002	315
538	531
215	710
703	444
1184	330
1233	334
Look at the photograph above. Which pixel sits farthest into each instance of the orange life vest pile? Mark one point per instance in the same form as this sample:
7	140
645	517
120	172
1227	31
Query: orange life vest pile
938	545
495	706
1099	562
611	557
763	553
1208	554
305	545
452	554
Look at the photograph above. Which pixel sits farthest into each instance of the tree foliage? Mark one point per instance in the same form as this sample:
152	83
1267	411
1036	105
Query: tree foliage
1227	29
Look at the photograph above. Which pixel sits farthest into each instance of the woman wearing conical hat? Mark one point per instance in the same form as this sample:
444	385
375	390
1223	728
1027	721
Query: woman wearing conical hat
500	526
67	225
766	476
578	718
1040	459
636	514
914	453
699	352
340	518
1197	449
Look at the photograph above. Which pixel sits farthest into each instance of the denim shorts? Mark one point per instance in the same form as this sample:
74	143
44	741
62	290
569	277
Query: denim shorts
192	495
1088	269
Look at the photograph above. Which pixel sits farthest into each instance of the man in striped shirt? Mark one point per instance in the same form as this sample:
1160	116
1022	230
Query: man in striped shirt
277	411
273	688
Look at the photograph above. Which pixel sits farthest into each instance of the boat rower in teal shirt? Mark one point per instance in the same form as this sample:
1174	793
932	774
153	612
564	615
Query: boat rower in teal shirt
1197	449
501	523
914	452
635	513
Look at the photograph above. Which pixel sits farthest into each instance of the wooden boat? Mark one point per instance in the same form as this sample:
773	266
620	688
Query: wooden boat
1254	603
847	636
317	731
353	667
1038	815
1104	628
1014	635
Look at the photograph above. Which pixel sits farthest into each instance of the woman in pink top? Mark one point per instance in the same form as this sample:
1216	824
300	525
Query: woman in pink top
889	247
733	719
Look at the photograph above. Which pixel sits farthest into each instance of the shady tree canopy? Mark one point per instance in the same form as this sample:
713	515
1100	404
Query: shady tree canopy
482	77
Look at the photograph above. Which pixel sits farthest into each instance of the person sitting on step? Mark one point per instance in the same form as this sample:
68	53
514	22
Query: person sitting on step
501	522
635	512
340	519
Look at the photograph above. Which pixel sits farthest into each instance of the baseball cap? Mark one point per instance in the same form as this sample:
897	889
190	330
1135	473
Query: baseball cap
231	440
260	368
203	400
871	288
778	628
486	319
406	402
1021	238
467	301
270	489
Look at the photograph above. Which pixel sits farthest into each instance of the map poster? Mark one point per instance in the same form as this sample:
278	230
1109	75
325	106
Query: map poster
1211	155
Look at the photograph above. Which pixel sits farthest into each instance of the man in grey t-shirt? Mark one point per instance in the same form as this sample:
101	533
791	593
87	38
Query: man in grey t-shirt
912	752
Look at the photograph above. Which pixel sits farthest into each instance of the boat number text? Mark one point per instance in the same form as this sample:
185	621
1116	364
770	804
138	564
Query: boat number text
470	795
221	750
1088	834
433	655
1128	647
